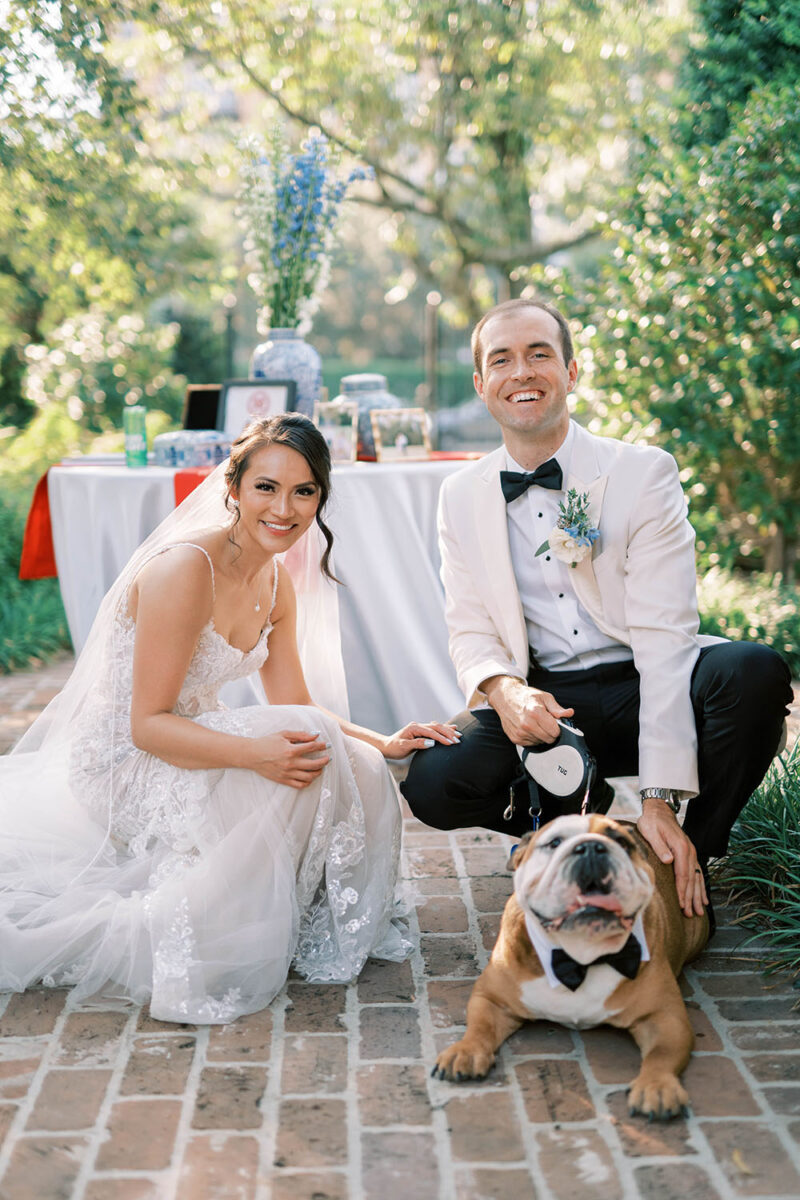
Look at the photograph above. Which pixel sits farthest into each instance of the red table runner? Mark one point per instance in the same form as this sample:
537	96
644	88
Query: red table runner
38	560
187	479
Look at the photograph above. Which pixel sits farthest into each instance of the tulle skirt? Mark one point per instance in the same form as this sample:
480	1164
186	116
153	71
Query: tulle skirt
198	889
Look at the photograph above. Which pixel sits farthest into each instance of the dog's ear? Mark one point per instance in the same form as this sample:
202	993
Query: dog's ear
518	852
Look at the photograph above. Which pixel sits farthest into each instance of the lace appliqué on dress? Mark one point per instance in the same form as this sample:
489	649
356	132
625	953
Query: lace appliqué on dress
278	875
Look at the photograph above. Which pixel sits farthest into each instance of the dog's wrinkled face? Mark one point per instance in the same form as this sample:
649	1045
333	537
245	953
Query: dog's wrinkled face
583	881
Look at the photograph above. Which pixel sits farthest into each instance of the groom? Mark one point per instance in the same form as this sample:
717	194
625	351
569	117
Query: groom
609	640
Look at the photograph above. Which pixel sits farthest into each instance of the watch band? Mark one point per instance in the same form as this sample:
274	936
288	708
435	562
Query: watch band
668	795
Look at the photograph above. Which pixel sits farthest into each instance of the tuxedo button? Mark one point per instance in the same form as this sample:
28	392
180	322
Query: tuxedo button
547	558
541	514
575	632
561	595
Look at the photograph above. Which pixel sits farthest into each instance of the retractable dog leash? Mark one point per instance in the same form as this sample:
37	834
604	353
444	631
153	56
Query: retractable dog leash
565	768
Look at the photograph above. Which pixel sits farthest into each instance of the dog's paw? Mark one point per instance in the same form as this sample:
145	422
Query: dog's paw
462	1061
658	1097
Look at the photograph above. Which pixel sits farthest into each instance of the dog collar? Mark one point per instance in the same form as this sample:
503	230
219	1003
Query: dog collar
544	948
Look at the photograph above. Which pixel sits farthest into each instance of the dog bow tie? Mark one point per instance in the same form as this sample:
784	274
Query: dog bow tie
572	973
516	483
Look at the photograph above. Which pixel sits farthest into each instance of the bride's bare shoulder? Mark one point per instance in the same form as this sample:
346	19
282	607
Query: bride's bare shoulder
181	577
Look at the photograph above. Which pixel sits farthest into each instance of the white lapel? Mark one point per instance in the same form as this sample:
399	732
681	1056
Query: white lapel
585	476
492	524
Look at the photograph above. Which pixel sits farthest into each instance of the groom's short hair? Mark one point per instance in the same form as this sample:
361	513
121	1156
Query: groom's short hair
511	306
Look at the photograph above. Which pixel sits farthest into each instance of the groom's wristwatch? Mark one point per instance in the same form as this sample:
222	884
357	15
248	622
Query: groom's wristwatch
670	797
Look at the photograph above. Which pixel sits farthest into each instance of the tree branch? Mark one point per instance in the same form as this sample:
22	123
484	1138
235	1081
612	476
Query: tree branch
330	134
514	256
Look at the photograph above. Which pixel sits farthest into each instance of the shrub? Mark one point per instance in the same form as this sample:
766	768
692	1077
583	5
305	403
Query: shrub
758	608
94	366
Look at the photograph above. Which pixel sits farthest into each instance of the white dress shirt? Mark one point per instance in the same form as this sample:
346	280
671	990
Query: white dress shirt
561	633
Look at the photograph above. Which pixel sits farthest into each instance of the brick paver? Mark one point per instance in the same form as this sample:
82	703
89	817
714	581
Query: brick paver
328	1094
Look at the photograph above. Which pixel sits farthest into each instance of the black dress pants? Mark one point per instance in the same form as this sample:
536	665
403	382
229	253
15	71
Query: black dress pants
739	691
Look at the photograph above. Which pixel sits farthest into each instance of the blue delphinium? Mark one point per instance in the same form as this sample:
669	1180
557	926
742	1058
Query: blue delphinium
291	205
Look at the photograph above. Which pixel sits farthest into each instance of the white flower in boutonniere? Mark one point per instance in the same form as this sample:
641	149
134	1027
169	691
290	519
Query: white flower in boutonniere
574	535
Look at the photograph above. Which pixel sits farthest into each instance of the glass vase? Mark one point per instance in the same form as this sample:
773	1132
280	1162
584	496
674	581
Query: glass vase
285	355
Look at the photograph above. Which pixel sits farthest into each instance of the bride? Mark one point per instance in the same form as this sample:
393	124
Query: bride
155	844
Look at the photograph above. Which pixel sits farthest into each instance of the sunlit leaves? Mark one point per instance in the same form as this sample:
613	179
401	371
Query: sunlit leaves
716	367
92	367
498	128
90	217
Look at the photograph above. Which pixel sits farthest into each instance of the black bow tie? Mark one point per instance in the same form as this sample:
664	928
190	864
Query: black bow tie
515	483
572	973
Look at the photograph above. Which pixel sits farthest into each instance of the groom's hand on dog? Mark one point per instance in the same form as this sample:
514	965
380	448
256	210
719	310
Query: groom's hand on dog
528	716
659	826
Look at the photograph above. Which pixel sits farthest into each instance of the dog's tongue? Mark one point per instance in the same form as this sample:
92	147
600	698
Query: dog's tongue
599	900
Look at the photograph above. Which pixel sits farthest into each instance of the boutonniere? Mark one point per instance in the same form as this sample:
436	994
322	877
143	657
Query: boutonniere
574	535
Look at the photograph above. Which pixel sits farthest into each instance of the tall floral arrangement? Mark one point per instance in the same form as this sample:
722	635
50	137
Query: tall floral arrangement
290	204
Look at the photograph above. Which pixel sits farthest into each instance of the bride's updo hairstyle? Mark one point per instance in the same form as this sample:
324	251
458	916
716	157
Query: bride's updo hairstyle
298	433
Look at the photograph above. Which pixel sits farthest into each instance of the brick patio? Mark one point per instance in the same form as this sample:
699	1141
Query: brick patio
328	1093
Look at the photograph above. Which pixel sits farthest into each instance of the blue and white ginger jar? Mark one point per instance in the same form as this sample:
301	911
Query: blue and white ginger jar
285	355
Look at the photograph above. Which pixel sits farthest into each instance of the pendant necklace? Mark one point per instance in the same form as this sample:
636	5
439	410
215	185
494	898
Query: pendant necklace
258	601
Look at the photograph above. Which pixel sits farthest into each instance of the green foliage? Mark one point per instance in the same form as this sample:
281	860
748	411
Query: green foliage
91	217
744	44
49	437
496	130
93	366
198	353
693	334
763	865
752	608
15	409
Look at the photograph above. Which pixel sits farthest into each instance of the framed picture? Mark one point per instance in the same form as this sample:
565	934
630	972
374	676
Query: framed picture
337	421
201	405
401	434
244	400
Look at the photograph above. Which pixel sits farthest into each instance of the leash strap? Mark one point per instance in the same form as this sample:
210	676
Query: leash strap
534	802
591	775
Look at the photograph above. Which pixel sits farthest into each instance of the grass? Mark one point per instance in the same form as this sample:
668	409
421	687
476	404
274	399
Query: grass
763	866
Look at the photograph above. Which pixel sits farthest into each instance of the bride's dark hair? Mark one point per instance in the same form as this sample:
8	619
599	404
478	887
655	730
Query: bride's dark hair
298	433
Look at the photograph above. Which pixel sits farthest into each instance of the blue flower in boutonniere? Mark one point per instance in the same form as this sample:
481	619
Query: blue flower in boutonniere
574	535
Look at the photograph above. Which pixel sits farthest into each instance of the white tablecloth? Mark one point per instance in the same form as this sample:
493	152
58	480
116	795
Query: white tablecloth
394	640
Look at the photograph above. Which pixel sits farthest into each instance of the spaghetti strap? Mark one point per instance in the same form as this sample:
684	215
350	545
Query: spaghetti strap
210	564
274	589
194	546
123	601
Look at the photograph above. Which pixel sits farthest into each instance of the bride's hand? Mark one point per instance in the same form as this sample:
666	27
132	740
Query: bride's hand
292	757
417	736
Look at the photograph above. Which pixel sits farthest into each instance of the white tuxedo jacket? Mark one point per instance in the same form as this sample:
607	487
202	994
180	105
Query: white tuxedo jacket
639	586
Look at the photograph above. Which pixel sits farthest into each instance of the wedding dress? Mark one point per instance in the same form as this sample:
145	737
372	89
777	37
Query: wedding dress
129	878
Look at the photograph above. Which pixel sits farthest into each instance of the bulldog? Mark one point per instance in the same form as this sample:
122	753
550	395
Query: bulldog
593	934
